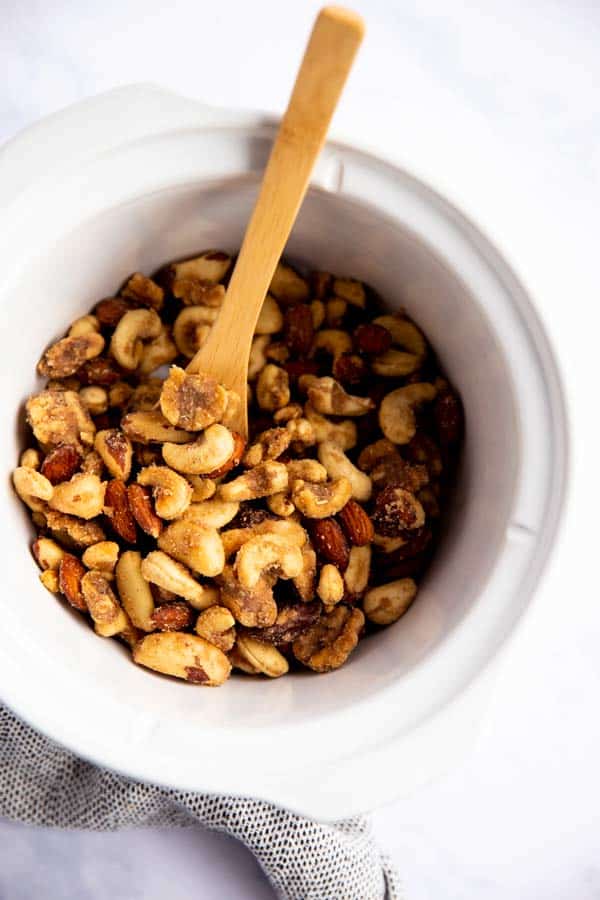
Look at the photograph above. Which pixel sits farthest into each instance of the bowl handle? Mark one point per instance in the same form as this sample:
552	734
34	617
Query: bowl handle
93	127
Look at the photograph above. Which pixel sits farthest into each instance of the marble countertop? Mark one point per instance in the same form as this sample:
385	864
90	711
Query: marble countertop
505	91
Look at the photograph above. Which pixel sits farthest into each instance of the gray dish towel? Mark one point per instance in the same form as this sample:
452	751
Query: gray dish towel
43	784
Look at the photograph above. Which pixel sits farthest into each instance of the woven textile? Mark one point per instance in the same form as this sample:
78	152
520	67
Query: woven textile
43	784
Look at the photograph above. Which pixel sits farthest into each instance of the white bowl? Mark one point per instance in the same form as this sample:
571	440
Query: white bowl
137	177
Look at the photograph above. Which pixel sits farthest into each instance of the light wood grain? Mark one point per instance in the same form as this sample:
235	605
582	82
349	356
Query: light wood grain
335	38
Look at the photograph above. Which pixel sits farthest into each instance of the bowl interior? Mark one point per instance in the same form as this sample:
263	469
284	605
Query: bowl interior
334	233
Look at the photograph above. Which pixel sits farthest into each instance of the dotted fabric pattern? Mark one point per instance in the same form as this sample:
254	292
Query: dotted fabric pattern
43	784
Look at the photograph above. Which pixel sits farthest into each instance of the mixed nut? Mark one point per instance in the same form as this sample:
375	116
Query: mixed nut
158	522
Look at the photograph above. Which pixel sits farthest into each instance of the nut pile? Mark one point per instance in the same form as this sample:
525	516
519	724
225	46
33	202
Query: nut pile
166	530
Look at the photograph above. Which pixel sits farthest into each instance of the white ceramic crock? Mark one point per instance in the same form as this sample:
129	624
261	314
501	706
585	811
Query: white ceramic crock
135	177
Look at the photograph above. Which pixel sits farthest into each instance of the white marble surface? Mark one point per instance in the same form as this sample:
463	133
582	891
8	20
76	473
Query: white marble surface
508	93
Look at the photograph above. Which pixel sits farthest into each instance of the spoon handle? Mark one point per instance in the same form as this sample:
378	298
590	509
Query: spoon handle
335	38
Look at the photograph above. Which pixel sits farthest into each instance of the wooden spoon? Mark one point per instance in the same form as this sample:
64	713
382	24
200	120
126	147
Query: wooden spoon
335	38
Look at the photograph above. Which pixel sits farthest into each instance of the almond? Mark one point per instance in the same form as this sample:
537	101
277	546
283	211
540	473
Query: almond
298	329
60	464
372	339
70	572
116	507
356	524
141	506
330	543
239	445
172	616
109	312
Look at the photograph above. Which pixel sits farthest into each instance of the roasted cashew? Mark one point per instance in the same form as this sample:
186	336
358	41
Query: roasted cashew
307	470
94	398
171	492
195	546
337	465
263	658
134	590
192	327
203	488
267	553
356	576
332	341
214	513
327	396
136	326
318	501
167	573
268	478
351	290
273	388
289	529
396	413
404	334
257	360
82	496
33	488
281	505
287	285
317	308
84	325
331	585
343	433
151	427
158	352
217	626
386	603
30	458
270	319
212	449
48	554
210	266
102	556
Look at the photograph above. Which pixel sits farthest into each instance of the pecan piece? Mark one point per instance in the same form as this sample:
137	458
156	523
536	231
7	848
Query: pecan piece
66	356
116	508
291	622
70	572
327	644
329	542
142	509
61	463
